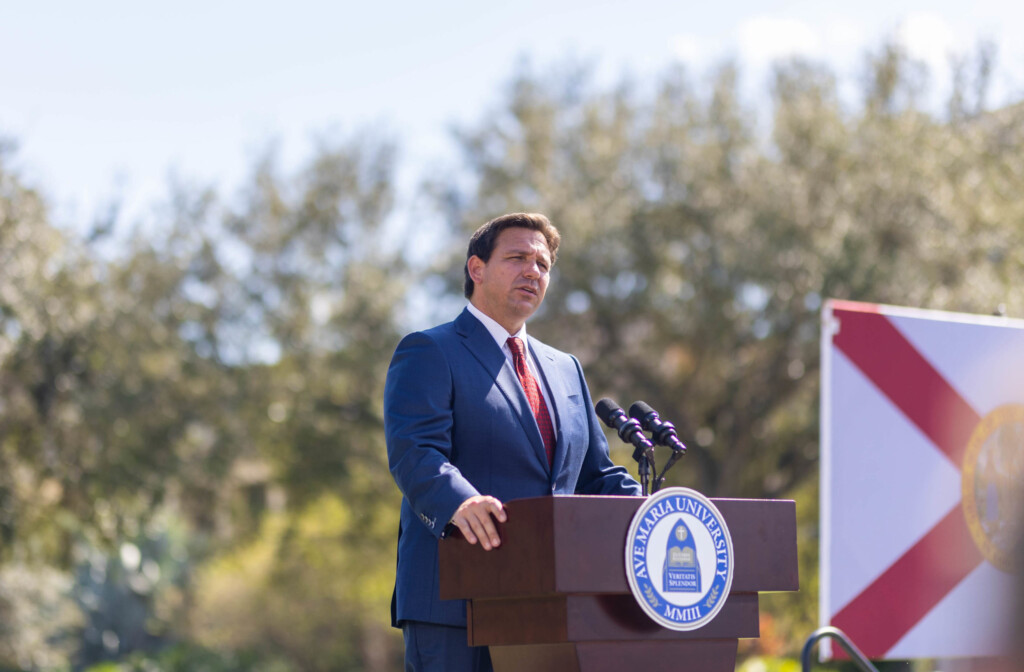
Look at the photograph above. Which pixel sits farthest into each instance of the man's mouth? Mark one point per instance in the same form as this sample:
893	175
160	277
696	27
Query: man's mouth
528	290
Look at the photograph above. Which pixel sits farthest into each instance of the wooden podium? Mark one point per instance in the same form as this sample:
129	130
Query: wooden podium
554	596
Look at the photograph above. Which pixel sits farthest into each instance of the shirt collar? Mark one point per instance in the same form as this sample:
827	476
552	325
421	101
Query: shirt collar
498	332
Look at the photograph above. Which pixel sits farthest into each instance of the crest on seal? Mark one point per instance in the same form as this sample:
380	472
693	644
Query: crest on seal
682	569
679	537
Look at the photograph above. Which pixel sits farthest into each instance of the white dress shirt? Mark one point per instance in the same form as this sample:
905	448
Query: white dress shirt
501	336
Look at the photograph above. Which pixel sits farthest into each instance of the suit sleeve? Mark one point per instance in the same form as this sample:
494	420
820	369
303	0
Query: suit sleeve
599	475
418	421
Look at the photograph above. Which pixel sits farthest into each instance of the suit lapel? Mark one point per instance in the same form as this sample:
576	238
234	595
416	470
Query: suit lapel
558	393
481	345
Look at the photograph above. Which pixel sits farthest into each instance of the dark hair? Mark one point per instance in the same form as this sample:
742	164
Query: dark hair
482	243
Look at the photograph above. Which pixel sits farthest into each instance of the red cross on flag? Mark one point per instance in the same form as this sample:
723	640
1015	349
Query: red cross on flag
922	433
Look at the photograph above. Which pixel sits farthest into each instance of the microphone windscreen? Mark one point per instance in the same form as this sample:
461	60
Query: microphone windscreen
605	408
639	410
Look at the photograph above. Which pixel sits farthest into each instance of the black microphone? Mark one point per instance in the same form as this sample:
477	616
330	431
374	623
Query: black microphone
663	432
629	429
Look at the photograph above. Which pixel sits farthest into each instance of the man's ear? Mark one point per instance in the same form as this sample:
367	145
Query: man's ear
476	268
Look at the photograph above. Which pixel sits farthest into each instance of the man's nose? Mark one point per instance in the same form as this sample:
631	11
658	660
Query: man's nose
532	269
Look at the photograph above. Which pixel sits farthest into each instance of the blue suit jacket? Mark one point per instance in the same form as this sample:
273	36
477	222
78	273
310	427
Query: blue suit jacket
458	424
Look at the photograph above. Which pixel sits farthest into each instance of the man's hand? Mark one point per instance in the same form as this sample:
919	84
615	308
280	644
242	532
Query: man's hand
473	518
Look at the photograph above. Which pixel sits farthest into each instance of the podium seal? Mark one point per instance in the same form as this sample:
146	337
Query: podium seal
679	559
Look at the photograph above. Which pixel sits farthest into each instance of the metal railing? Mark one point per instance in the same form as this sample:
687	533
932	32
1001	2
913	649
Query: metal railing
838	635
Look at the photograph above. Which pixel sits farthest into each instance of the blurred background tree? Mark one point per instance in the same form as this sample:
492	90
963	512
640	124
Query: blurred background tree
210	393
192	468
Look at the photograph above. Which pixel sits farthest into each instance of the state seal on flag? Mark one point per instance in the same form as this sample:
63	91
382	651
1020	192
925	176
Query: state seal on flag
991	481
680	537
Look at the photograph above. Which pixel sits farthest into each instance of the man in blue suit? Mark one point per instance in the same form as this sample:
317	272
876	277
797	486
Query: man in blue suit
476	414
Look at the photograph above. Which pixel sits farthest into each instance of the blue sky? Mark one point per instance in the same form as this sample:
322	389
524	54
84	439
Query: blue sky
107	98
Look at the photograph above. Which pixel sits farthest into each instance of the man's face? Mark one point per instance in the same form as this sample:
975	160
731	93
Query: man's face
511	286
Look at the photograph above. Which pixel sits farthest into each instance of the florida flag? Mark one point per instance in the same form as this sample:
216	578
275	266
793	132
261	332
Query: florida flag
922	431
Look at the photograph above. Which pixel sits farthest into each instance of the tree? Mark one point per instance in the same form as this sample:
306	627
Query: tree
222	367
697	251
319	290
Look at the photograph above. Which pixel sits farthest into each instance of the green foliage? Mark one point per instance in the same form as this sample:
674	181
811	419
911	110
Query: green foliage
131	599
224	369
299	592
38	620
190	658
764	664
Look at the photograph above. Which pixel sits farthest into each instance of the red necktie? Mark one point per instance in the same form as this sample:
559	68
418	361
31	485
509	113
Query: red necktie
533	395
